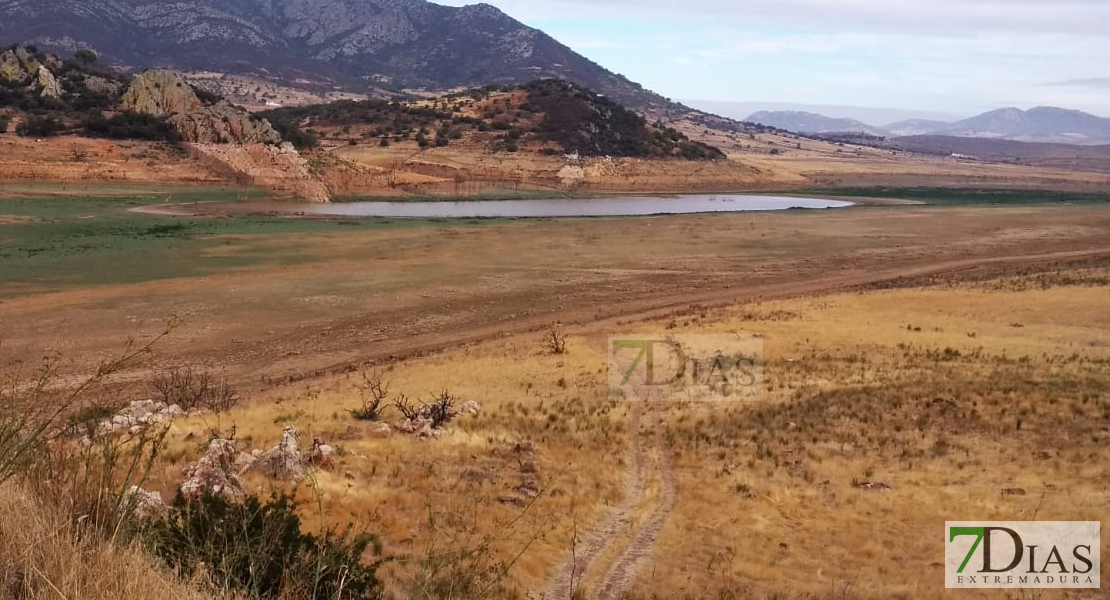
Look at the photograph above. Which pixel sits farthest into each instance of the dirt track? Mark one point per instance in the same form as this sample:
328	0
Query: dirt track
365	297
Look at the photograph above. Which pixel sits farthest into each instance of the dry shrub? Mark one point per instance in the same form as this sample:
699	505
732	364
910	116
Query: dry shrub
192	388
375	393
556	340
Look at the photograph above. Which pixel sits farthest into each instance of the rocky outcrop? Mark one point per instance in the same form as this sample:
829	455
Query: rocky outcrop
48	85
11	71
18	65
134	419
214	473
166	95
283	461
160	94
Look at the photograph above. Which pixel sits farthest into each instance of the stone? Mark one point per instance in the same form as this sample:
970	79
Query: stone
470	407
145	505
381	430
48	85
213	473
321	455
283	461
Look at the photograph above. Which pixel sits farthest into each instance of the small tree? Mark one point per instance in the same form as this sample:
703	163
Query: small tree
86	56
556	340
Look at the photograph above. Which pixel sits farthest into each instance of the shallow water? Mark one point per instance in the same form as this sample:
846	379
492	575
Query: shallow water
564	207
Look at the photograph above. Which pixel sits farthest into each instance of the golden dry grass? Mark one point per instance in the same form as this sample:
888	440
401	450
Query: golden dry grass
42	556
950	394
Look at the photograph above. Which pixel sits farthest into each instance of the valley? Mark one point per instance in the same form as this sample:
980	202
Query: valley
331	300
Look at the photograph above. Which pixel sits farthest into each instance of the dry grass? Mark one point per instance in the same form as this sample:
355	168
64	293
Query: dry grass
949	394
542	417
43	556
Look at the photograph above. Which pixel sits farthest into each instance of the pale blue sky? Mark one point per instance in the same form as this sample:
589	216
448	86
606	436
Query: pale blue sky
949	56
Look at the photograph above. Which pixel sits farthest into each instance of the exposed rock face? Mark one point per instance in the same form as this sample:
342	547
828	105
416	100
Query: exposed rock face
163	94
11	70
283	461
48	86
277	168
213	473
160	94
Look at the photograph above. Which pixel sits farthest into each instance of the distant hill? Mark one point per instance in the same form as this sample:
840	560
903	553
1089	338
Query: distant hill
1066	156
549	116
1040	124
1043	124
393	45
807	122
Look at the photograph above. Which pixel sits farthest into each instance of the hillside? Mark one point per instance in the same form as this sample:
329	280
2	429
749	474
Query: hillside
547	116
1040	124
49	96
807	122
393	45
1065	156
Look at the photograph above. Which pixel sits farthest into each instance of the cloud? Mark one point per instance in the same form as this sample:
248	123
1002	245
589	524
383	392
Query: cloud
1098	83
961	56
942	18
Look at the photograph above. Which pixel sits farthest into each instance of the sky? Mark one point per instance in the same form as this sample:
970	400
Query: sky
943	57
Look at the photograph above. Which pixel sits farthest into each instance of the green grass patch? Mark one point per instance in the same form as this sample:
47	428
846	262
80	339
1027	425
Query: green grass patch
57	243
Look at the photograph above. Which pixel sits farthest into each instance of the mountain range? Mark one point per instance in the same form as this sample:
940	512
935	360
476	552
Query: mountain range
1043	124
392	45
807	122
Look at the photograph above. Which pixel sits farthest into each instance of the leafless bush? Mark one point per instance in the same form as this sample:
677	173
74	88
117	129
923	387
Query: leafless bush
78	154
407	409
375	393
192	388
556	340
442	409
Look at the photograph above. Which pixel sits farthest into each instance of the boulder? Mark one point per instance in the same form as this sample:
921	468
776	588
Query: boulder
48	85
144	505
470	407
213	473
321	455
282	461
